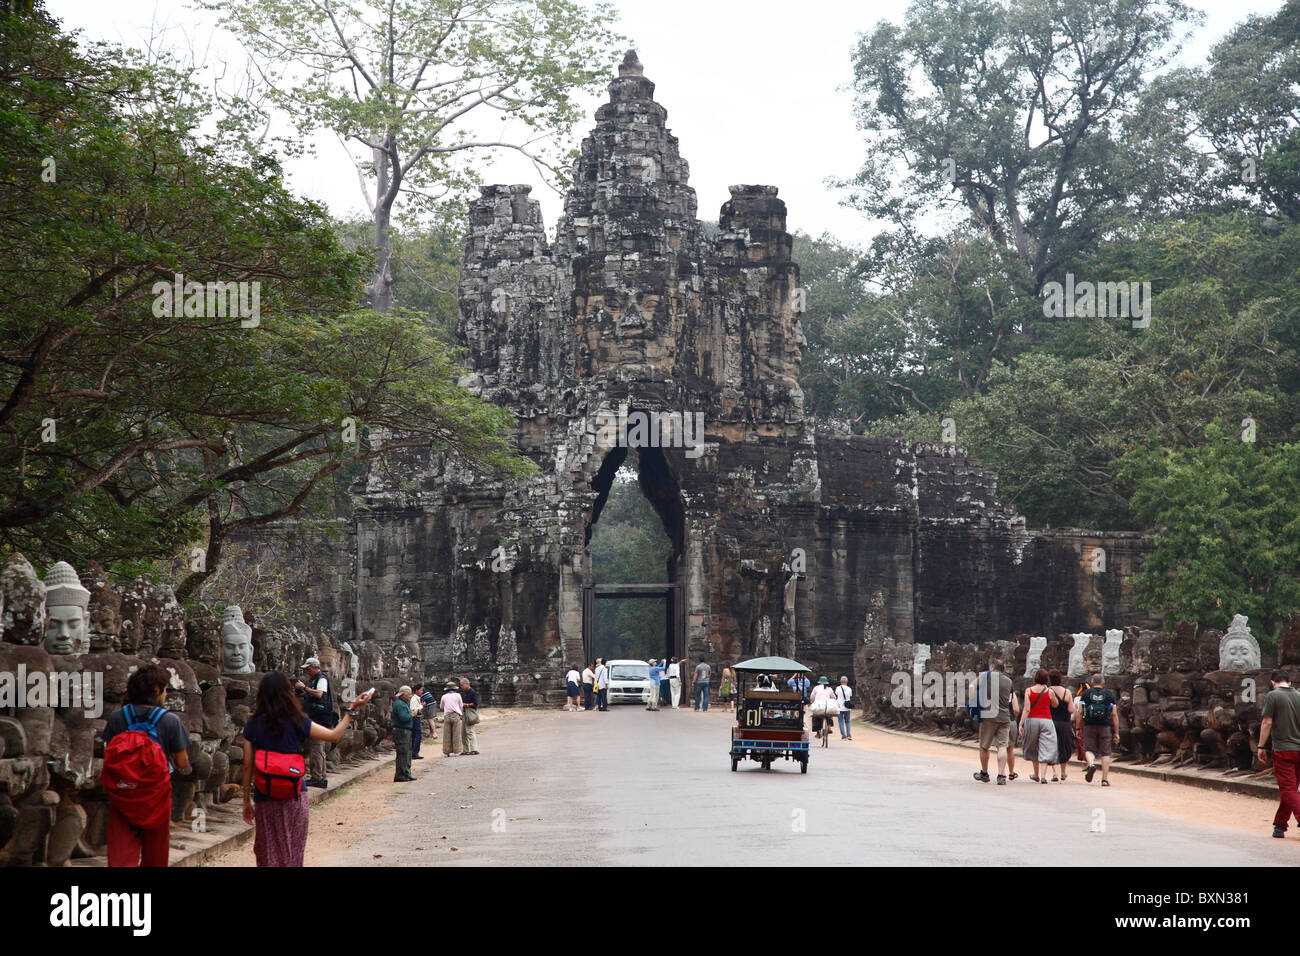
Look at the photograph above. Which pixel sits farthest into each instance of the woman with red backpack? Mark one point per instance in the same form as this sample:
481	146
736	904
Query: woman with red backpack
144	743
274	770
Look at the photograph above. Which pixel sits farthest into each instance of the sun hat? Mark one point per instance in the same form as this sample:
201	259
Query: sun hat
823	681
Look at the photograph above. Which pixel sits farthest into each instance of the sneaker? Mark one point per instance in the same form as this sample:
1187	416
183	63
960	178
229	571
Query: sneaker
1089	772
1056	779
417	757
1279	832
1002	780
981	776
318	783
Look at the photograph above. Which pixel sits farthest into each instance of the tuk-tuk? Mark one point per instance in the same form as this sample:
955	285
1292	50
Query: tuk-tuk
769	720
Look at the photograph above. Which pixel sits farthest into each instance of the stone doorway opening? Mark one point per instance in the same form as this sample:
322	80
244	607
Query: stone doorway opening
632	606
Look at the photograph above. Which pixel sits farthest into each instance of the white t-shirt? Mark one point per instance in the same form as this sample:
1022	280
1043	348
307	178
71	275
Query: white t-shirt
572	677
673	671
819	692
844	692
587	675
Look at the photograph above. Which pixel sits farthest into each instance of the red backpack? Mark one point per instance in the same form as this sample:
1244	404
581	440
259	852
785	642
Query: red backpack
136	775
276	775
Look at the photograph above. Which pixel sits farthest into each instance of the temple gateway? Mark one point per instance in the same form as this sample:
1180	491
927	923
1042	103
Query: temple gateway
641	325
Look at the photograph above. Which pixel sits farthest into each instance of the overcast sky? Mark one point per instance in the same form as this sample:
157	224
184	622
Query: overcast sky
754	92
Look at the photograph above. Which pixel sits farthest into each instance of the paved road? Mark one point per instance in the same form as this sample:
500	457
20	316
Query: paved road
638	788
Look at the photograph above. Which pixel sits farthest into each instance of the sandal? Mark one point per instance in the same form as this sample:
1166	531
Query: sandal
1012	776
1105	783
1056	779
1033	778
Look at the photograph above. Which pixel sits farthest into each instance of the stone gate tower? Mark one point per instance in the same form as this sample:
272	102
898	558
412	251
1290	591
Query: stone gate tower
784	541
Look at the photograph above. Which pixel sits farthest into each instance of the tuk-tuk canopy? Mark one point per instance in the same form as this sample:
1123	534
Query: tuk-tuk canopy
771	665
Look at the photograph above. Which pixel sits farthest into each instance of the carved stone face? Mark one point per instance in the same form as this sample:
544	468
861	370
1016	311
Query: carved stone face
65	630
236	649
1238	655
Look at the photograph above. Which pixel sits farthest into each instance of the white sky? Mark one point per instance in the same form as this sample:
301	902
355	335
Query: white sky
754	92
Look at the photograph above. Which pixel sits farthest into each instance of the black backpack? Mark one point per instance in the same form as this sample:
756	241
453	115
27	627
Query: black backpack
1096	706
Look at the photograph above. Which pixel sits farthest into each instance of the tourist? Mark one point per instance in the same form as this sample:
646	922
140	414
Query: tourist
430	728
453	709
1037	733
665	687
995	729
1281	724
821	692
571	682
469	719
675	682
402	734
602	685
130	842
1078	721
844	694
279	726
1062	717
656	673
1013	738
727	690
320	708
701	687
1100	728
588	682
417	718
799	683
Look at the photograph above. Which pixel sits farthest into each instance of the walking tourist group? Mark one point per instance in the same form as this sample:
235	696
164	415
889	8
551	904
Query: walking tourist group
1051	725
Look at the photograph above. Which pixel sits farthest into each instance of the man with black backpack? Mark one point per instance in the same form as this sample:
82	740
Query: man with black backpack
318	699
144	744
1100	728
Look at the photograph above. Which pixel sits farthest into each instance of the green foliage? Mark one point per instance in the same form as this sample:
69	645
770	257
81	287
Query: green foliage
1228	538
1014	112
176	426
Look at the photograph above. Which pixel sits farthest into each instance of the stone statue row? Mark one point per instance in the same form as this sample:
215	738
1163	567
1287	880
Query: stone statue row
1238	652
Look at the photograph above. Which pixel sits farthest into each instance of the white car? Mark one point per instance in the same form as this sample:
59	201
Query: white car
629	682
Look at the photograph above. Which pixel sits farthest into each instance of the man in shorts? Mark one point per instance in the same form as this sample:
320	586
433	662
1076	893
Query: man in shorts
995	693
1100	728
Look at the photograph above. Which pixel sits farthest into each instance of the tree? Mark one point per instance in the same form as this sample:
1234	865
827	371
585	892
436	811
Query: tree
404	80
1015	112
1228	538
138	420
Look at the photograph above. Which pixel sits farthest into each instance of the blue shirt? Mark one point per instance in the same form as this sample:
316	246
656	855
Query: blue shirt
656	673
799	684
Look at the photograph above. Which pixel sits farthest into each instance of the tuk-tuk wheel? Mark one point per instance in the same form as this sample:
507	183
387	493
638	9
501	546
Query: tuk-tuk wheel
734	761
803	765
